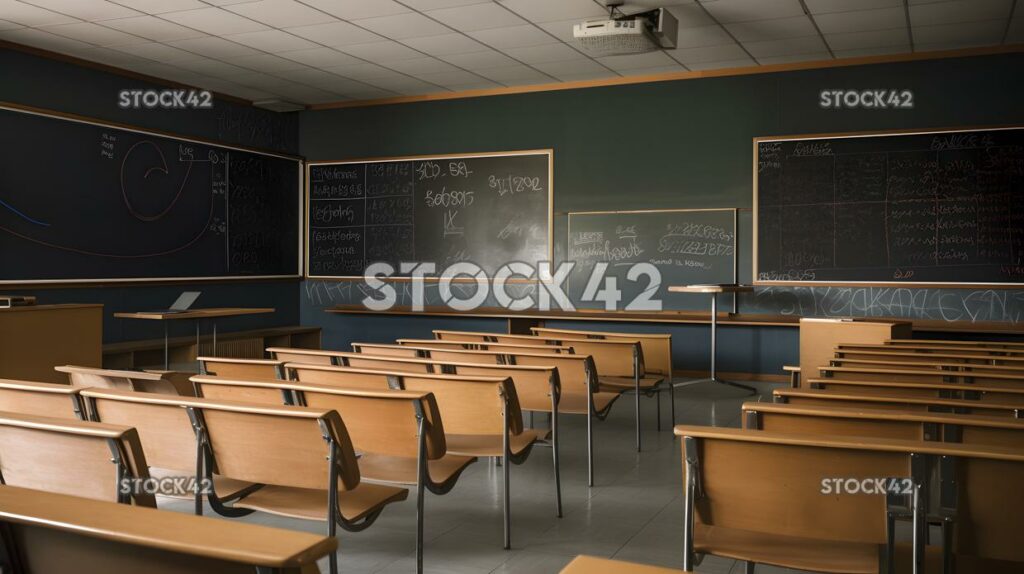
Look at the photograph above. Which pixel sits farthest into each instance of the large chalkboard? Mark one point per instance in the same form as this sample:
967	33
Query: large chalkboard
942	207
687	246
489	209
86	201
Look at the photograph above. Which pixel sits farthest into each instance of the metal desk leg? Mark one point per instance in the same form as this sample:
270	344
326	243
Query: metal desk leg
213	353
198	352
714	349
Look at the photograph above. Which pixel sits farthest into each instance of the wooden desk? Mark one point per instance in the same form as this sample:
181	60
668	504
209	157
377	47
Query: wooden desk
820	337
36	338
715	291
70	534
198	315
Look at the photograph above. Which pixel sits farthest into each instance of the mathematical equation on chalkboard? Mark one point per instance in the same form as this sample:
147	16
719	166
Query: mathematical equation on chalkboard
942	207
488	209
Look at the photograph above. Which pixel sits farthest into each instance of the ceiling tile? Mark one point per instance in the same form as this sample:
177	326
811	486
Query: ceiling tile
862	20
281	13
690	15
271	40
356	9
869	39
451	78
878	51
214	21
775	29
28	15
361	71
213	47
785	47
988	33
435	4
722	65
5	25
513	36
722	53
260	80
159	52
367	93
787	59
549	11
406	86
827	6
306	94
559	69
959	11
698	36
45	40
1016	32
479	60
655	70
253	94
633	61
402	26
162	6
545	53
422	66
446	44
111	57
582	77
89	10
336	34
380	52
476	17
726	11
312	77
212	67
512	75
266	63
153	28
561	29
479	85
95	34
319	57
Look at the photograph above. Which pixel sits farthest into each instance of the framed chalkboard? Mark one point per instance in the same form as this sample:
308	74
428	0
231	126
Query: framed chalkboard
687	246
941	208
86	201
486	208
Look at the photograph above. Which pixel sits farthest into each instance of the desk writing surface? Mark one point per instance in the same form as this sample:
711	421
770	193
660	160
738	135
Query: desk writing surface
196	313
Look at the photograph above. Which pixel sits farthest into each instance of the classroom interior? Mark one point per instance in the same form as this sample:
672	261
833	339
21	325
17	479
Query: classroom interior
496	286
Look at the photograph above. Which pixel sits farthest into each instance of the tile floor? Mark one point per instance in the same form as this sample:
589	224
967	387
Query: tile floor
633	512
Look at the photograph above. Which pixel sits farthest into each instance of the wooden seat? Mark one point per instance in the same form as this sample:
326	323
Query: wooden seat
442	352
401	437
81	458
919	375
341	377
889	352
303	456
479	346
955	343
982	393
45	399
387	362
386	350
229	367
821	397
974	351
955	368
167	434
159	382
296	355
583	564
60	534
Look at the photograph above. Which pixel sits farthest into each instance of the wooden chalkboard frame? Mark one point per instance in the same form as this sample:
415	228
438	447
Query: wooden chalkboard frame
75	118
864	134
549	152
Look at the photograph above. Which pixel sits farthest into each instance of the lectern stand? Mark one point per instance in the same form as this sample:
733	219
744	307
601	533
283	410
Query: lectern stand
715	291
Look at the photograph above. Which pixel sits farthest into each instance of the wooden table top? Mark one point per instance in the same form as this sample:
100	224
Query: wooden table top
710	289
196	313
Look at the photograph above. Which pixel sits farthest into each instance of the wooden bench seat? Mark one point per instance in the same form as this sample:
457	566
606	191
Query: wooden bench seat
920	375
821	397
984	393
45	399
160	382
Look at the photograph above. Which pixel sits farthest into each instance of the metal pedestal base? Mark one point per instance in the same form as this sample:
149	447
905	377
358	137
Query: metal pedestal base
714	355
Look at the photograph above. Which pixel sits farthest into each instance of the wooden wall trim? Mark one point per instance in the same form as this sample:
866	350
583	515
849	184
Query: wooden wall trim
672	76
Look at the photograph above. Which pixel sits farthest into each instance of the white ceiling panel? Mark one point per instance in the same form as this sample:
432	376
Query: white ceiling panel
561	29
260	80
153	28
271	41
89	10
445	44
214	21
5	25
95	34
266	63
213	67
380	52
356	9
336	34
514	75
690	15
402	26
727	11
966	33
28	15
550	11
477	17
423	5
213	47
480	85
420	66
545	53
700	54
479	60
162	6
634	61
45	40
869	39
159	52
787	47
514	36
959	11
404	85
320	57
703	36
879	51
653	71
790	58
775	29
861	20
361	71
586	76
559	69
827	6
450	78
281	13
721	65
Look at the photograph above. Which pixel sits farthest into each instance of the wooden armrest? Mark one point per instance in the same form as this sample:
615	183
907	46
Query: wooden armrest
137	375
87	428
59	388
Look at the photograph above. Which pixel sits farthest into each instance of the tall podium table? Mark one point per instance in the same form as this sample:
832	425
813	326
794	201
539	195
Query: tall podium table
715	290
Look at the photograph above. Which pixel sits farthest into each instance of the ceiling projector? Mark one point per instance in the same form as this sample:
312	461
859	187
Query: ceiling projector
626	34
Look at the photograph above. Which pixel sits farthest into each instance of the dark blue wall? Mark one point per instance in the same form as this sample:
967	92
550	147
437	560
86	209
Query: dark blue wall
61	86
680	144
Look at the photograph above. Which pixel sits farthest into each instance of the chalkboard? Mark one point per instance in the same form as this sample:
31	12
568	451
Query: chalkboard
687	246
488	208
943	207
86	201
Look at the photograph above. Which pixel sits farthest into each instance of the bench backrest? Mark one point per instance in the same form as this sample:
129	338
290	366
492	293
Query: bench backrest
297	355
657	347
46	399
160	382
241	368
821	397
